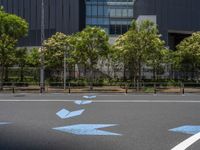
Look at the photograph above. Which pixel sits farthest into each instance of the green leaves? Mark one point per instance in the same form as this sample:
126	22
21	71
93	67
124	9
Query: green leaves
188	53
55	47
12	25
7	47
92	44
33	57
141	45
12	28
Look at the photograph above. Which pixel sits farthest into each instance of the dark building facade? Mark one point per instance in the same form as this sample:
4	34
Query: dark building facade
67	16
176	19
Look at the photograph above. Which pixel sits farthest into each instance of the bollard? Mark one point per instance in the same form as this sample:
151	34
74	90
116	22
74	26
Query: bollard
13	88
126	88
155	91
183	89
137	86
42	88
47	87
69	87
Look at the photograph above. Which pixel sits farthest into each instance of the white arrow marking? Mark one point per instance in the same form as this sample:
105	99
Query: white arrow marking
82	102
90	97
5	123
65	114
87	129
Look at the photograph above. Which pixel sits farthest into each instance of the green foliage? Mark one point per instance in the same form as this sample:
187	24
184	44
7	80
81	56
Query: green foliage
33	58
12	28
21	56
12	25
91	45
141	45
187	56
55	47
7	47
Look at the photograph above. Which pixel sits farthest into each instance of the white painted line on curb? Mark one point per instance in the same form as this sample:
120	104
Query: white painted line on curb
188	142
107	101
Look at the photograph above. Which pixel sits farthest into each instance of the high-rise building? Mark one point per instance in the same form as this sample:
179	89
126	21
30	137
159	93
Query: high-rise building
67	16
176	19
114	16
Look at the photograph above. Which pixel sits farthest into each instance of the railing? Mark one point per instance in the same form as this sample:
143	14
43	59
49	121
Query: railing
117	87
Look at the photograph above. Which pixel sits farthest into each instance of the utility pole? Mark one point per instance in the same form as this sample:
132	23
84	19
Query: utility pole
42	86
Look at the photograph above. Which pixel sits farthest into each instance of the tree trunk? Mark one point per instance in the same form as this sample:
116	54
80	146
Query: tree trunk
154	73
140	76
134	78
79	72
2	77
6	74
22	74
85	70
91	78
124	73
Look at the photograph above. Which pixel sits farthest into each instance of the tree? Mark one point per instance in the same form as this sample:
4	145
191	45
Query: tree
7	55
188	54
33	61
12	28
33	58
120	55
55	47
92	44
141	45
157	55
21	55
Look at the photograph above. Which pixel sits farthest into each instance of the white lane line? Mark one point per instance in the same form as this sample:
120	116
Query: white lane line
188	142
107	101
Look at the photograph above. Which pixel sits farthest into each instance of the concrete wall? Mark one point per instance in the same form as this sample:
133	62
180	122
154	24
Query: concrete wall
67	16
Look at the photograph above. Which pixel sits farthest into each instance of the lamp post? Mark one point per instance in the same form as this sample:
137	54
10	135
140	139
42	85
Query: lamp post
42	86
65	67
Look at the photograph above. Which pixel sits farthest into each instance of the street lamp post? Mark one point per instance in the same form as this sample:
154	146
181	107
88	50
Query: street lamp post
42	88
65	67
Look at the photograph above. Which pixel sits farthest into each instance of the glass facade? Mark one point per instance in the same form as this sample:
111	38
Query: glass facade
114	16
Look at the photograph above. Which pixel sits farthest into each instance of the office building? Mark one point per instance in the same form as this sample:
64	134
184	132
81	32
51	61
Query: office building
67	16
114	16
176	19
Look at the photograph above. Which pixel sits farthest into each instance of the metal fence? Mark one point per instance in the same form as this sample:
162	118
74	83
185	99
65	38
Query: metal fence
117	87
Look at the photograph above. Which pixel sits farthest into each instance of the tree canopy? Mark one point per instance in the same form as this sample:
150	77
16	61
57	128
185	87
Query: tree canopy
91	45
12	28
141	45
55	47
188	54
12	25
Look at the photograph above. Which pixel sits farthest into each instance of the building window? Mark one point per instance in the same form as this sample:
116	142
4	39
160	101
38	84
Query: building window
114	16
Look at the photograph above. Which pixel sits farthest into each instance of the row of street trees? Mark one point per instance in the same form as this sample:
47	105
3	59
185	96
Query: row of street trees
187	56
140	46
84	48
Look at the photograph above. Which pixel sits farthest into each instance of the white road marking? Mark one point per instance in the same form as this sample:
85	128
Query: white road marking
188	142
107	101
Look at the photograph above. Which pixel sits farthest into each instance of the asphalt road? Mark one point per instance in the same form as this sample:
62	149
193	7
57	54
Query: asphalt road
142	120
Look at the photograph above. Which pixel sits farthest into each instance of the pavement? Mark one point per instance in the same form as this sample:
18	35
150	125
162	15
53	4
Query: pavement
140	122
